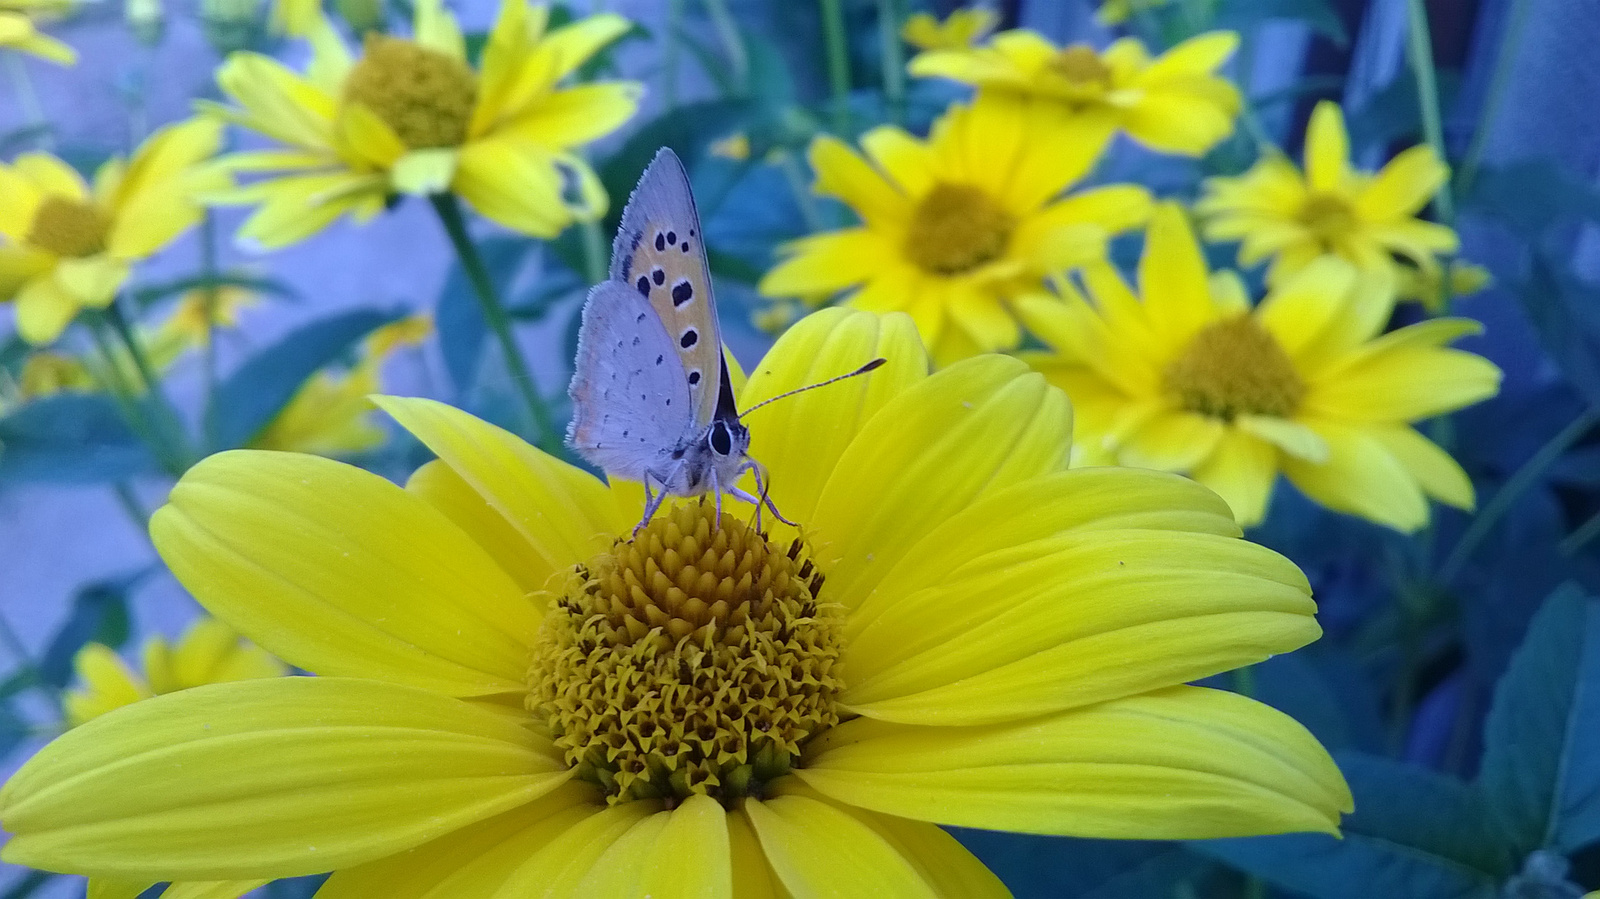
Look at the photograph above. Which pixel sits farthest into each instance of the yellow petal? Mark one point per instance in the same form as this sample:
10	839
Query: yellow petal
214	889
1441	476
52	176
573	44
1242	470
683	852
424	172
442	488
1171	441
268	778
843	174
819	849
1327	148
1290	436
1395	383
1360	477
93	280
907	161
1404	186
753	877
1173	278
827	262
1182	122
561	865
576	115
107	681
1299	311
341	572
800	439
44	309
1182	763
514	184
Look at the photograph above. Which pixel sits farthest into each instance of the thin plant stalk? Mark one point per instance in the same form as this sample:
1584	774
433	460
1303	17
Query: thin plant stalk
25	660
1505	60
494	314
208	353
835	39
123	393
594	251
894	63
802	194
171	425
1419	50
671	54
727	29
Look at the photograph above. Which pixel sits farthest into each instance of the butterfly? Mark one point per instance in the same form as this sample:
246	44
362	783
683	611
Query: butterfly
651	395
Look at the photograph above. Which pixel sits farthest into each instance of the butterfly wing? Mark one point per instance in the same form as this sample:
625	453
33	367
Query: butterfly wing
660	254
630	399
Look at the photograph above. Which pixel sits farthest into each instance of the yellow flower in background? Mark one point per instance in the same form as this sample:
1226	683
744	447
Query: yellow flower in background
66	246
961	29
1187	377
1175	103
19	29
1365	218
1435	287
954	226
331	415
410	116
516	697
1115	12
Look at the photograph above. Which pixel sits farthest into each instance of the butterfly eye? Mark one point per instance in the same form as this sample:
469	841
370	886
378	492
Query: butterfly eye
720	440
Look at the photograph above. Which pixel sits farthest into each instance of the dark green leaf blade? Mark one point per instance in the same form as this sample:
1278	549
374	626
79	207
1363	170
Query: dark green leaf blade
70	438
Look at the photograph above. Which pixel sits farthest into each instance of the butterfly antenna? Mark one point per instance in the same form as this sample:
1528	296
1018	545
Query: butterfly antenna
788	393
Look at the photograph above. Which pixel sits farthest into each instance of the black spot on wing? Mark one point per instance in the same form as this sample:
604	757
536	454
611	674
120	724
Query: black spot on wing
685	246
689	338
659	359
636	343
682	292
694	378
661	241
640	319
658	276
644	286
672	238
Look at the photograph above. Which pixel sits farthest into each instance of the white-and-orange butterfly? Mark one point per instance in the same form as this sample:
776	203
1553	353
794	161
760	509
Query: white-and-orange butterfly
651	396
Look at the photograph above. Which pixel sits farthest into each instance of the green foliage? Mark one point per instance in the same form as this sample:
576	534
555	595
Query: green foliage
70	438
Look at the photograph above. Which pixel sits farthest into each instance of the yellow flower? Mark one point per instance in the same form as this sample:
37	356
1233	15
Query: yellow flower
1174	103
955	225
65	246
410	116
46	374
210	652
331	414
735	146
960	30
19	20
1366	218
1191	379
1115	12
516	697
1435	287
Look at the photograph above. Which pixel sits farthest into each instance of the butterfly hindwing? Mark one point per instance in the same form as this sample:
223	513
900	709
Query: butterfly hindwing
630	399
660	254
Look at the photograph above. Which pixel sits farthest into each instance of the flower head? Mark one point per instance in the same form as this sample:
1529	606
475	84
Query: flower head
65	245
1175	103
19	29
1365	218
516	695
1115	12
959	30
409	115
954	226
1189	378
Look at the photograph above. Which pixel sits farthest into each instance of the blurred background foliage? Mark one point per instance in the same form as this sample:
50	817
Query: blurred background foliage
1459	680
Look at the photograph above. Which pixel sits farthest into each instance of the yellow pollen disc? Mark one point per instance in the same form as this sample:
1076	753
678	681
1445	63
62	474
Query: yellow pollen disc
426	96
694	658
1234	367
1329	217
957	228
1081	65
68	228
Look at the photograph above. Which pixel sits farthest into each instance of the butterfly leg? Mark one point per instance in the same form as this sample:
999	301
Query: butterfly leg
762	498
653	501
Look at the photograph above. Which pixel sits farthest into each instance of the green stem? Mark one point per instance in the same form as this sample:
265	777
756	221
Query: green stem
894	64
802	194
834	37
1504	61
594	251
727	30
1419	50
494	314
171	425
1579	538
1518	484
25	661
123	393
129	501
671	54
208	353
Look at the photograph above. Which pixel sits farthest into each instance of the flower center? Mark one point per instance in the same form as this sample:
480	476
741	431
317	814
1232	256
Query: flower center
426	96
68	228
1082	66
1234	367
694	658
957	228
1328	216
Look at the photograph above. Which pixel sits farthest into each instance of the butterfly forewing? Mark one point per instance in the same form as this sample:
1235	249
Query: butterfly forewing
630	399
660	255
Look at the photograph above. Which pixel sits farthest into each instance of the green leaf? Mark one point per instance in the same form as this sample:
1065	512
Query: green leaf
250	398
1530	196
457	316
1566	314
99	615
150	295
70	438
1318	15
1415	833
687	129
1541	757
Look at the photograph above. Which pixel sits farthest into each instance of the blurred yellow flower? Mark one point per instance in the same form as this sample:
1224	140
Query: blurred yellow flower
1366	218
955	225
1115	12
65	246
1175	103
1434	288
47	373
1191	379
961	29
410	116
331	414
516	697
19	29
735	146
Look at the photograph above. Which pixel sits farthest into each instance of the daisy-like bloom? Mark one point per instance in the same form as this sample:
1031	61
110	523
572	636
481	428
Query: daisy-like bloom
332	414
516	697
1175	103
1437	286
1366	218
1187	377
410	116
66	246
19	30
1115	12
960	30
954	226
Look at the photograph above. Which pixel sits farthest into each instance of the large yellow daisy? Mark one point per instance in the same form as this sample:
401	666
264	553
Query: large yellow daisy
954	226
19	30
410	116
1365	218
1175	103
65	245
1189	378
514	696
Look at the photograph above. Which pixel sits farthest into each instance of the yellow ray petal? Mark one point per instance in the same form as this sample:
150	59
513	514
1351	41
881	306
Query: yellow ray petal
819	849
107	683
52	176
1242	471
268	778
1172	440
1173	278
1404	186
683	852
1183	763
341	572
1360	477
1327	151
827	262
753	877
843	174
1441	476
577	115
442	488
44	309
1400	384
